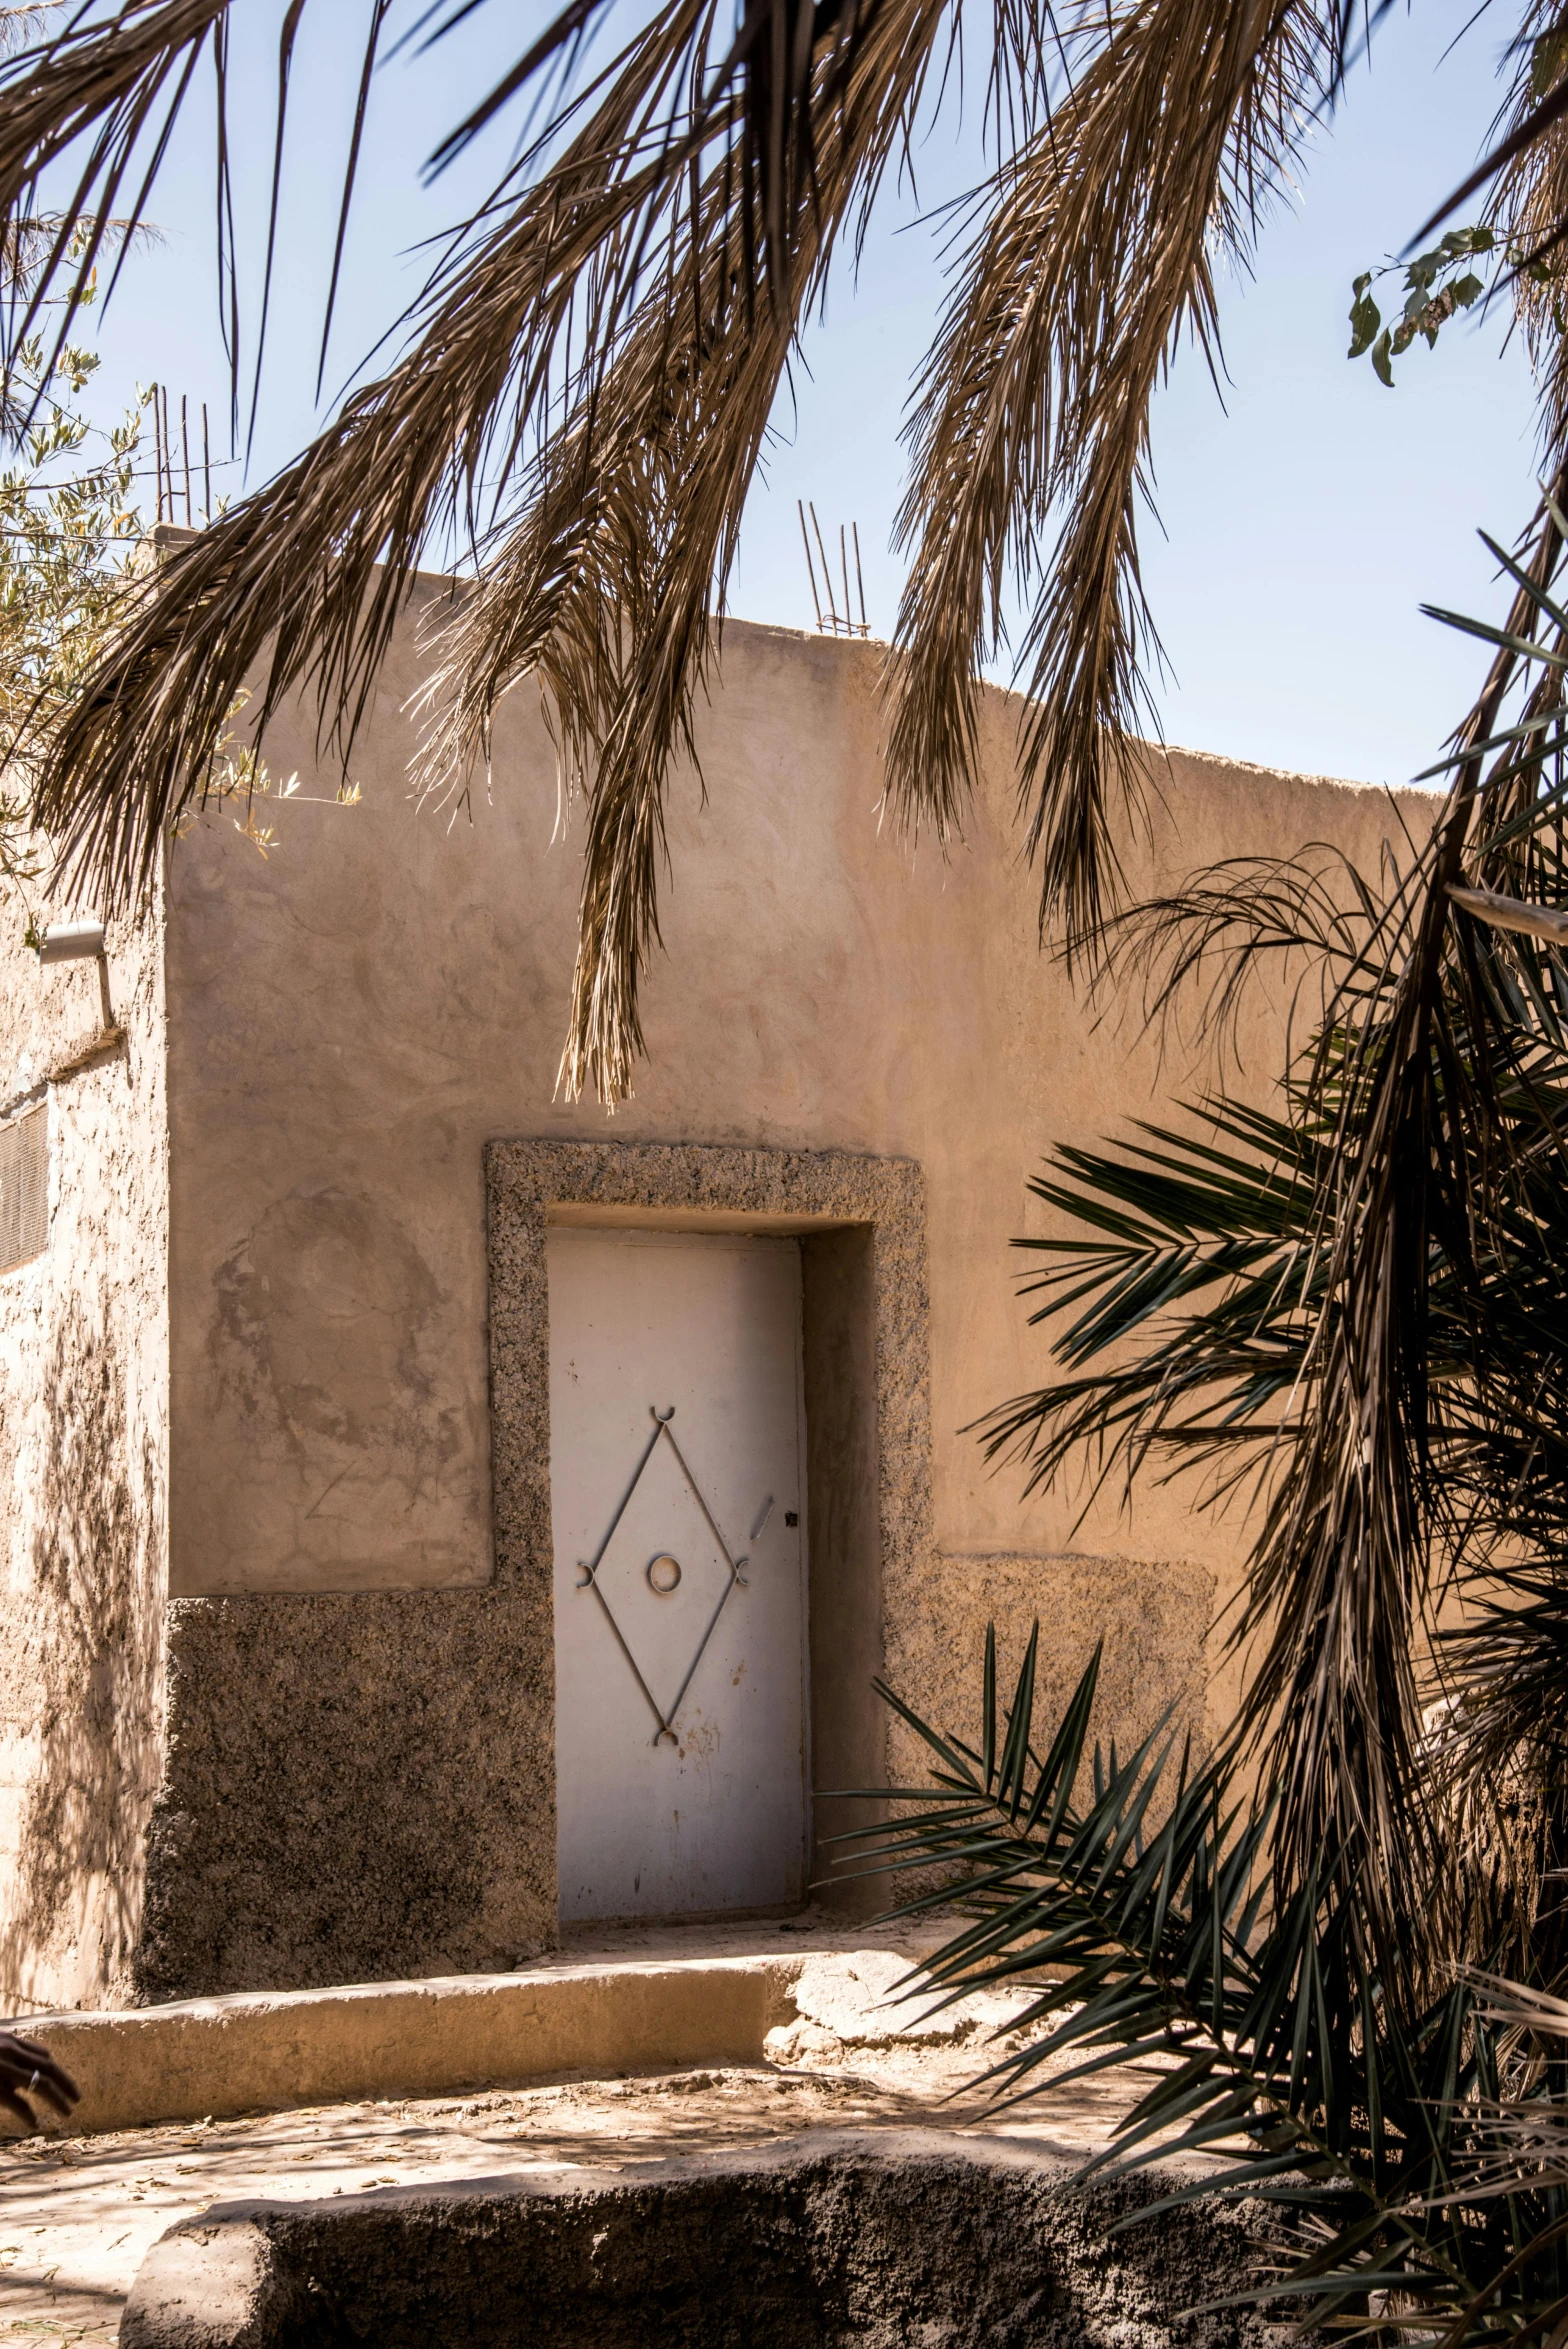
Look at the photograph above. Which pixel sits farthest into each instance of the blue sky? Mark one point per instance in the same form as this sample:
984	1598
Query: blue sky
1300	525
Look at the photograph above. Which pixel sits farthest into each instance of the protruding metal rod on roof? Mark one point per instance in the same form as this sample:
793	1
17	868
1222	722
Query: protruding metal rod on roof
831	621
810	565
827	568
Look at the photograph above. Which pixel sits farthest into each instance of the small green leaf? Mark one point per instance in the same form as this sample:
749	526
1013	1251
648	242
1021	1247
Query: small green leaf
1466	240
1365	318
1380	360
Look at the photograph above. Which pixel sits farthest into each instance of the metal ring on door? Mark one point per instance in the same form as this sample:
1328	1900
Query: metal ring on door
664	1572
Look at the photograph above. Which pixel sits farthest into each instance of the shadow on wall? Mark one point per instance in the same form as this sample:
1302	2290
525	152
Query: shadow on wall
86	1641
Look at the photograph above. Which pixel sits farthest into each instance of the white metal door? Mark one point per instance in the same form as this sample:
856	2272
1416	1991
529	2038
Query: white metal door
676	1480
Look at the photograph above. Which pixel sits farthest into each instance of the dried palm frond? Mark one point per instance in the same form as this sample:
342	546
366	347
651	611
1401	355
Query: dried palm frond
614	330
1095	254
657	246
312	571
1188	962
88	97
21	25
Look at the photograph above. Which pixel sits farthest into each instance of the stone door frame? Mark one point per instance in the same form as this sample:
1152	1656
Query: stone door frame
861	1223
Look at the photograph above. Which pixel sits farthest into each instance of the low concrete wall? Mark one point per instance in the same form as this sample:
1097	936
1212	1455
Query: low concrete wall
257	2051
901	2237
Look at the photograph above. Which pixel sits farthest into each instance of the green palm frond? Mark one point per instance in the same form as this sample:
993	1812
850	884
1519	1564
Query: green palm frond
1134	1900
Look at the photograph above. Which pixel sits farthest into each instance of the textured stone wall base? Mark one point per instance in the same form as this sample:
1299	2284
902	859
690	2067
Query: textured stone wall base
903	2237
356	1790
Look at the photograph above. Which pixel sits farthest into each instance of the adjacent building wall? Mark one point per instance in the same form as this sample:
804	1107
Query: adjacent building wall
83	1476
353	1018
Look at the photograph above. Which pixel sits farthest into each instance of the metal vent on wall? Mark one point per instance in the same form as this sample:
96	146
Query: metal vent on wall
24	1187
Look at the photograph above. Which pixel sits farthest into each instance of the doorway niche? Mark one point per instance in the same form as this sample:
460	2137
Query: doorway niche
860	1222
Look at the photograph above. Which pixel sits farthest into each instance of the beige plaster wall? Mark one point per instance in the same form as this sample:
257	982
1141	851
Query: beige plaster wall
354	1016
83	1472
351	1019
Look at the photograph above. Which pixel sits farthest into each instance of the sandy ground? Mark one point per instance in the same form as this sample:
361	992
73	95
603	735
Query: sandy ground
77	2215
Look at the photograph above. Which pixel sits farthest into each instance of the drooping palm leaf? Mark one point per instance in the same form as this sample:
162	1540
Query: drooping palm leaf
598	342
639	277
1093	256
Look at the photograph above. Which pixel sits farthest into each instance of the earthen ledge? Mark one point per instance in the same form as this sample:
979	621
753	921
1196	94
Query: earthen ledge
271	2051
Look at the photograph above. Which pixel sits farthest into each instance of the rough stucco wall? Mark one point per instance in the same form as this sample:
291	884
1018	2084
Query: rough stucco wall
83	1468
353	1020
355	1017
1154	1621
353	1792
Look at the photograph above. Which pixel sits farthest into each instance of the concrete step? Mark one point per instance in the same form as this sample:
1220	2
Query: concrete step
265	2051
650	2000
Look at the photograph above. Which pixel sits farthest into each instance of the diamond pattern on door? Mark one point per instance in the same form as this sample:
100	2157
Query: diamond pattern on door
664	1585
